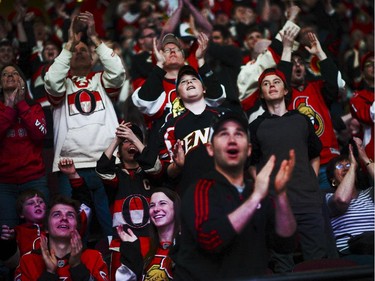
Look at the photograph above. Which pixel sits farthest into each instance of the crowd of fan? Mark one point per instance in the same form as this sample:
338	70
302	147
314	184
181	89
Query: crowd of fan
91	108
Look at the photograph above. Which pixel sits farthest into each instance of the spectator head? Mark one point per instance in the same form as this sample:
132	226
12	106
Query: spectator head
243	12
31	206
252	36
81	60
299	69
66	209
168	202
336	169
367	67
189	84
50	51
127	150
11	75
146	37
229	142
367	60
173	52
276	78
221	35
162	193
7	54
221	18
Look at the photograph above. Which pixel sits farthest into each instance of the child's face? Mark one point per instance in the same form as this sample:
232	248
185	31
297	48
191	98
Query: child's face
34	209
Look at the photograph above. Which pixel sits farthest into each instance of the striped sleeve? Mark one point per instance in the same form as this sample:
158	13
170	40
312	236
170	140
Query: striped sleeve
211	223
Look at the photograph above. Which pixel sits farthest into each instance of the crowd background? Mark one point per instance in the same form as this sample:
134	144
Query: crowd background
32	34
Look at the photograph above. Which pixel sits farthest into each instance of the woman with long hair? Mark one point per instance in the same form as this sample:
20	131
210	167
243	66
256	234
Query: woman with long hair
165	205
22	131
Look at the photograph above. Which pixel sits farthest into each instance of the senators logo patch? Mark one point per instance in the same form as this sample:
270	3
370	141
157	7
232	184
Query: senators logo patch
85	102
302	105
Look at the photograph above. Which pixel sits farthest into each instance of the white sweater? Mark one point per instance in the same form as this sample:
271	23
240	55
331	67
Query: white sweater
84	119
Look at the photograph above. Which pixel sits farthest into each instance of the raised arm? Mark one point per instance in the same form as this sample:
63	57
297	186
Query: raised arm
366	161
285	221
200	20
346	188
243	214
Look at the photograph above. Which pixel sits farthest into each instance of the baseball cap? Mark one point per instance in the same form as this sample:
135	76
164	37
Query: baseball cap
228	116
187	69
170	38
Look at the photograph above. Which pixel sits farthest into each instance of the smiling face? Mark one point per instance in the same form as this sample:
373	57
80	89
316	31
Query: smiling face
6	54
230	147
10	77
34	210
161	210
62	221
190	88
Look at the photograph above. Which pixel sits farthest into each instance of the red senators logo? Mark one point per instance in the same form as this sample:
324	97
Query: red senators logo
302	105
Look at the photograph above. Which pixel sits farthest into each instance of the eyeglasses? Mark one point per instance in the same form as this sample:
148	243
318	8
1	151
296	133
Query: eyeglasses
170	50
341	166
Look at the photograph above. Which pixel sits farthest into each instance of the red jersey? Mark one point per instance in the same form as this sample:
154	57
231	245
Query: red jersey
28	237
310	102
22	130
360	107
92	267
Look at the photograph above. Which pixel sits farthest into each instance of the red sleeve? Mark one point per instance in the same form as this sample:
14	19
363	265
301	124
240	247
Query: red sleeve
34	119
7	119
360	107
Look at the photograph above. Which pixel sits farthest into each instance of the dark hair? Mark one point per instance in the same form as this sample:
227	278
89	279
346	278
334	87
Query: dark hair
223	30
25	195
331	166
362	179
64	200
154	236
253	29
22	75
5	42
